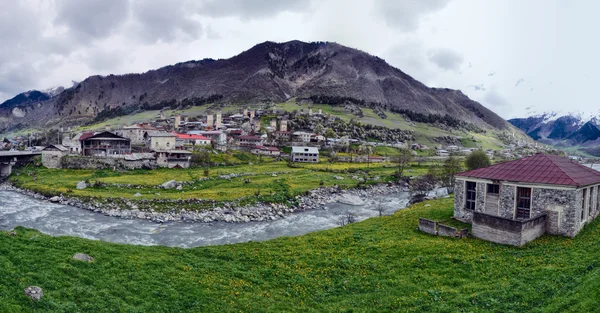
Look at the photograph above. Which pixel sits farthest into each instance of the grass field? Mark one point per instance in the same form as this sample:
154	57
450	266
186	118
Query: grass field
256	178
378	265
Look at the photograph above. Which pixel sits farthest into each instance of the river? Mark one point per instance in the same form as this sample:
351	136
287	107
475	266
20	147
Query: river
62	220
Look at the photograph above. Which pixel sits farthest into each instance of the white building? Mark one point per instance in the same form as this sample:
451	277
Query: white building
305	154
301	136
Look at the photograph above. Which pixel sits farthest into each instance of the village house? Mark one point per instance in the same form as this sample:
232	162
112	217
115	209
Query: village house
104	144
262	150
516	201
173	158
193	140
305	154
249	141
53	154
157	140
301	136
282	135
136	133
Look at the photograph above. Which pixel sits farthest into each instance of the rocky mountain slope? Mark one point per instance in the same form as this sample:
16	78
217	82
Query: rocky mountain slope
319	72
571	130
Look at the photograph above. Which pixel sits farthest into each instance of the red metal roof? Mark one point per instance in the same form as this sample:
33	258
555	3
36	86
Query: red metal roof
86	135
541	169
191	136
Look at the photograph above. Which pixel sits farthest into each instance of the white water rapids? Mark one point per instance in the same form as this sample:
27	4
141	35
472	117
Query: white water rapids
61	220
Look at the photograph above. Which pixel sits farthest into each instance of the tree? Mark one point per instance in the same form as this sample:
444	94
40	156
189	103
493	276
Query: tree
477	159
402	159
365	149
329	133
379	208
319	129
452	166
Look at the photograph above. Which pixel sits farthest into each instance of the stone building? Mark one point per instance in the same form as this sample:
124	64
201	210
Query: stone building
157	140
517	201
104	144
52	155
136	133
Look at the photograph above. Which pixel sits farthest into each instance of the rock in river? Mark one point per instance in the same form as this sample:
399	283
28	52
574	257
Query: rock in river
350	199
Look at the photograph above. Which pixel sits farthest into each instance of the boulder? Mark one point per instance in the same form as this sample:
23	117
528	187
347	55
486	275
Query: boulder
137	194
12	233
34	292
338	177
81	185
350	199
169	185
54	199
83	257
179	187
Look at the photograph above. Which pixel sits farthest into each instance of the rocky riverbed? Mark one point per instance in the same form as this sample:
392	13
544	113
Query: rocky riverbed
229	212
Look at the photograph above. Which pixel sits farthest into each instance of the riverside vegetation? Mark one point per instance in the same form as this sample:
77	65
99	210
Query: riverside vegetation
381	264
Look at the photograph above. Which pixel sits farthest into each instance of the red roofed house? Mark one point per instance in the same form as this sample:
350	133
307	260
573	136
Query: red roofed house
515	202
191	139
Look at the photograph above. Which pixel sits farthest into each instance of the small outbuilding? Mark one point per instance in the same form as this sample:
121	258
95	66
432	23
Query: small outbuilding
517	201
52	155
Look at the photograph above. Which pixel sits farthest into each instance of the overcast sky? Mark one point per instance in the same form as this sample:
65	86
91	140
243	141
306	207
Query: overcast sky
513	56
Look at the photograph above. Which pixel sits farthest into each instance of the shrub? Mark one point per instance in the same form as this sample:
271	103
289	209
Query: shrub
477	159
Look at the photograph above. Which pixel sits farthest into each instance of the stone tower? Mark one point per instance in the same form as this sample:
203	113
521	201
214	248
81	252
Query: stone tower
245	112
274	123
283	126
209	121
162	115
177	121
219	120
252	115
320	111
309	111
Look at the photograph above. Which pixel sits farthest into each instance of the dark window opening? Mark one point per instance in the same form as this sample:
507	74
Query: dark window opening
523	202
471	195
493	189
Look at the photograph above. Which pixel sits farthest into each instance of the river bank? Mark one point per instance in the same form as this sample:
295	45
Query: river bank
227	212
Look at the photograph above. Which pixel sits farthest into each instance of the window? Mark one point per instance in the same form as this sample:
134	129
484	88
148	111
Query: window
471	195
523	202
493	189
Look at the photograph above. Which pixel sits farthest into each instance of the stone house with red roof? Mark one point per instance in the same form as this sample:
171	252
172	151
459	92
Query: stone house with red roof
517	201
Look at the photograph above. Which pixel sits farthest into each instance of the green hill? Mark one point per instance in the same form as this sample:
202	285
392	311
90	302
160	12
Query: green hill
381	264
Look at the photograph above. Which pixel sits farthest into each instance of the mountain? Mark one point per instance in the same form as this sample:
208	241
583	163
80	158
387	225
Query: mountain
586	133
318	72
571	130
25	99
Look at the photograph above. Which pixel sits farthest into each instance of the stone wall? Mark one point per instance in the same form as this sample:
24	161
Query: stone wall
52	159
507	201
447	231
480	200
428	226
563	210
507	231
459	199
105	163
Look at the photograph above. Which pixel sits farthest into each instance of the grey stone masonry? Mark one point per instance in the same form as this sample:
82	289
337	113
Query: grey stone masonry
459	198
507	201
428	226
447	231
480	200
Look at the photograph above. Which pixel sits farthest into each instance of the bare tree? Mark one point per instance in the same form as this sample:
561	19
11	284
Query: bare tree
402	159
346	218
379	208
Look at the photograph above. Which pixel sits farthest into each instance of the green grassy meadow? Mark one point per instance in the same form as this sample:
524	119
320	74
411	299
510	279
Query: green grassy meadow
256	178
379	265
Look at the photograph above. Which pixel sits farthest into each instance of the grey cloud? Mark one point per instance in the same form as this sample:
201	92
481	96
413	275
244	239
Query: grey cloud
479	87
252	9
163	20
446	59
92	19
493	98
405	14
